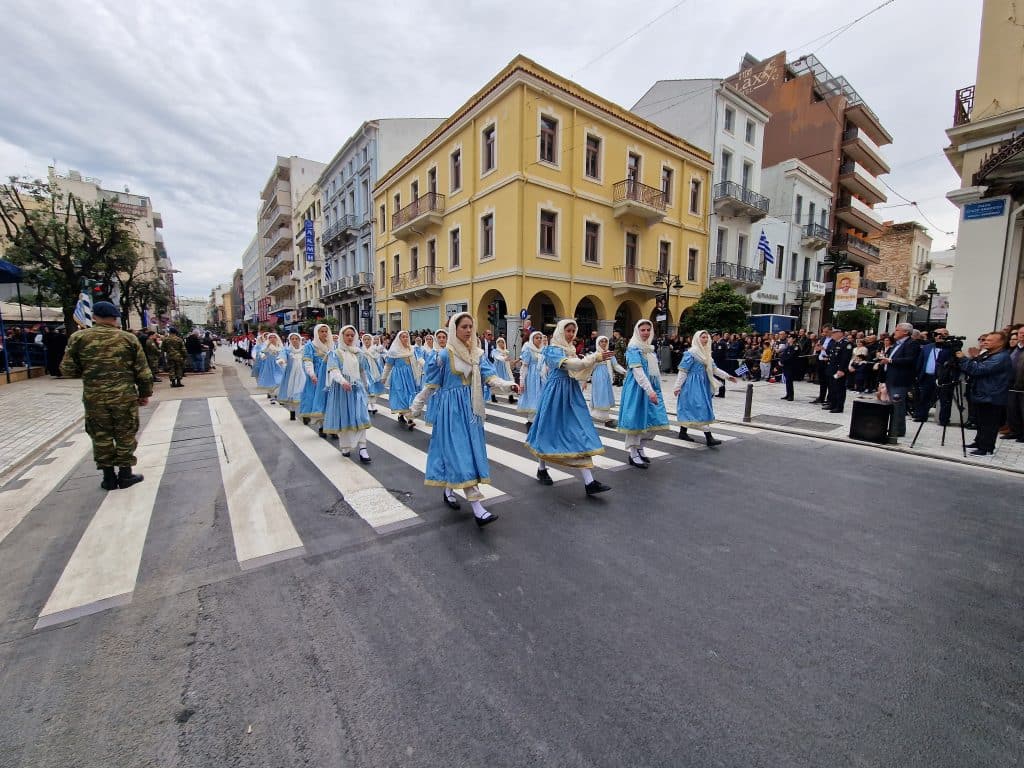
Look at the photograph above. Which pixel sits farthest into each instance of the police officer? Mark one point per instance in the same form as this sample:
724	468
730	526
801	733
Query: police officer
840	352
790	359
116	380
174	348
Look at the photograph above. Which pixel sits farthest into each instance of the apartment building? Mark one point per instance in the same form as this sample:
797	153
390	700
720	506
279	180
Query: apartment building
307	261
987	151
713	115
254	281
348	238
819	119
900	278
539	198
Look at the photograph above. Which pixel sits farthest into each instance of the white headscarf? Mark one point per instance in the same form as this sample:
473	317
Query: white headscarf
428	342
558	340
273	344
470	355
322	347
702	352
607	363
348	356
645	347
500	345
539	346
398	349
296	336
437	341
369	347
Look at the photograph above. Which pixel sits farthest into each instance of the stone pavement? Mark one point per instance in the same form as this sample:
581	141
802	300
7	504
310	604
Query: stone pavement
800	416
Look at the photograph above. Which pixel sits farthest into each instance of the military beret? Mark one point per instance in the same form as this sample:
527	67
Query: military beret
105	309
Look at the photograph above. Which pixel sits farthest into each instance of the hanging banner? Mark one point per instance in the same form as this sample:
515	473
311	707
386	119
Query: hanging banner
847	287
310	242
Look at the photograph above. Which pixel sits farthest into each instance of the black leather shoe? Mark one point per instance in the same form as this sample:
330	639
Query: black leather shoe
346	454
835	410
816	401
637	463
482	521
125	478
494	398
644	459
452	503
611	424
785	398
109	482
684	435
292	417
712	442
981	452
971	445
305	420
544	478
364	459
595	486
1009	436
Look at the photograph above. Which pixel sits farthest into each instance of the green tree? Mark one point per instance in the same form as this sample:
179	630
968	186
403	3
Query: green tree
62	241
719	308
860	319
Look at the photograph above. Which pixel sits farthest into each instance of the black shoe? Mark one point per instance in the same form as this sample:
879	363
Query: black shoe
835	410
684	435
482	521
644	459
305	420
970	425
453	503
528	425
494	399
292	416
816	401
785	398
321	433
364	457
971	445
637	463
511	399
981	452
346	454
125	478
611	424
333	436
712	442
372	411
921	421
1010	436
544	478
109	482
595	486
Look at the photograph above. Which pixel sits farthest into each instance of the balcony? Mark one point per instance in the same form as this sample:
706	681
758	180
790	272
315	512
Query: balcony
860	251
425	281
815	236
858	215
923	267
275	216
813	288
423	212
281	287
634	279
278	248
349	286
963	105
631	198
861	116
158	220
340	231
732	199
737	274
855	178
858	146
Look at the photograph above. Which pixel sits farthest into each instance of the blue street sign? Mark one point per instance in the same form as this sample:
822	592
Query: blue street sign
984	209
310	242
364	313
523	314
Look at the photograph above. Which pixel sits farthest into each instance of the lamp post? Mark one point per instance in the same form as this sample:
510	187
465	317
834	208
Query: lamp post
834	262
670	282
931	290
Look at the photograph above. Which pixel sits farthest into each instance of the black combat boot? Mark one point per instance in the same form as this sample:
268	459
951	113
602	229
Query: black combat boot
109	479
125	478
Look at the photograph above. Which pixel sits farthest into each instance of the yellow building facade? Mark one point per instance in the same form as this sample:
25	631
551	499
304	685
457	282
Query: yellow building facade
538	195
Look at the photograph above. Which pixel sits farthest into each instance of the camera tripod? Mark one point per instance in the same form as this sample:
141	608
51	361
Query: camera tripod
955	389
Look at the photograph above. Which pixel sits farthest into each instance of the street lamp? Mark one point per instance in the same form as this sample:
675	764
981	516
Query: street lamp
669	281
834	262
931	290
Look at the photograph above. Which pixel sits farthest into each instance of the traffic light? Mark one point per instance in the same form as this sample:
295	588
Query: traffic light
96	293
492	314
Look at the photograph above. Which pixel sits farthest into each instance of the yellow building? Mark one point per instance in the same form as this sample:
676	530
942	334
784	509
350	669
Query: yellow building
538	195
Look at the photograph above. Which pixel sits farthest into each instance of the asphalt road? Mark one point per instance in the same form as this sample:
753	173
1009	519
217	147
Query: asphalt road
779	601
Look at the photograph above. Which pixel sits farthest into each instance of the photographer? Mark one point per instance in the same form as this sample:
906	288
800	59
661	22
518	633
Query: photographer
991	372
937	372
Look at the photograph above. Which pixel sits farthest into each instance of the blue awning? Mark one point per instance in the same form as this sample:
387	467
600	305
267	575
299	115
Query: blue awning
9	273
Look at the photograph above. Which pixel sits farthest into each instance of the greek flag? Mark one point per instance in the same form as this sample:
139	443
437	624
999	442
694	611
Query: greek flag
765	248
83	310
327	271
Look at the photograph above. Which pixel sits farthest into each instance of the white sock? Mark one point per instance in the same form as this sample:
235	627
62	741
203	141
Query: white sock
450	495
588	476
479	511
634	452
541	466
363	452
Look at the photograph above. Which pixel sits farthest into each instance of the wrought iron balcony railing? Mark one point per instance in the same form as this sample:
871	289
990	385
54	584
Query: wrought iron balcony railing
737	272
846	242
741	193
431	202
963	105
817	232
636	192
424	277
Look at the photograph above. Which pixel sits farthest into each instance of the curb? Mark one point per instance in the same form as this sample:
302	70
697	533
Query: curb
20	465
892	448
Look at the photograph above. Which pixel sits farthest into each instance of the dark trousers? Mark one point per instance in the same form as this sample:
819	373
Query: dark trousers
789	373
989	419
1015	413
925	395
823	380
836	392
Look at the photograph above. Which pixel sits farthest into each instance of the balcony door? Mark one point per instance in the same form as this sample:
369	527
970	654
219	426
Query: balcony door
632	248
632	175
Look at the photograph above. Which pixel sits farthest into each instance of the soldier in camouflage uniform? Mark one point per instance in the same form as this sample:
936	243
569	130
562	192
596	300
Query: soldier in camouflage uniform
174	348
116	380
152	347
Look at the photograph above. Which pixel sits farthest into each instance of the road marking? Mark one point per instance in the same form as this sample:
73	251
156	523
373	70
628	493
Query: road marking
40	480
601	462
104	567
359	489
260	525
607	442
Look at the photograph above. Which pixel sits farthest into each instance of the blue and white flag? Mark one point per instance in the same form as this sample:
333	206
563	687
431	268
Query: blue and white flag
83	310
765	248
145	318
327	271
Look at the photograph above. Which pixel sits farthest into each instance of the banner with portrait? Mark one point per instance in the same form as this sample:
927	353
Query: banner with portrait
847	288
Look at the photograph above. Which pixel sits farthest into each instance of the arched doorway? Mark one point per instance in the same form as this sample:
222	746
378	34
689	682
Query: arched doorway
491	313
544	310
626	316
586	318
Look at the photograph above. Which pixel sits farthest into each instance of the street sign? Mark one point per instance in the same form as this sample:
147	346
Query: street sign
985	209
365	314
523	314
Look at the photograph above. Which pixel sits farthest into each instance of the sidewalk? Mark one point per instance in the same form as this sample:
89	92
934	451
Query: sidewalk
801	417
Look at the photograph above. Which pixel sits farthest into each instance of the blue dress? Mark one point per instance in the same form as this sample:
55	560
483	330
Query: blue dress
693	407
257	364
636	413
457	457
501	369
345	411
293	379
533	368
602	396
314	396
372	371
562	431
270	375
402	386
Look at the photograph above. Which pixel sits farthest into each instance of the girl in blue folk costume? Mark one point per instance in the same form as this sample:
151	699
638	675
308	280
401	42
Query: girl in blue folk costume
345	412
441	342
563	432
602	396
401	372
428	351
419	353
270	375
531	376
257	348
457	457
293	377
372	370
314	363
695	386
502	366
642	407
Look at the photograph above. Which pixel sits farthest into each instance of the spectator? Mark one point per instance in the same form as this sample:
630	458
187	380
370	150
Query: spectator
1015	397
820	351
208	350
991	373
767	353
934	379
900	372
194	348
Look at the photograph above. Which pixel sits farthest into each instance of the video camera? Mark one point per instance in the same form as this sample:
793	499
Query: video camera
952	343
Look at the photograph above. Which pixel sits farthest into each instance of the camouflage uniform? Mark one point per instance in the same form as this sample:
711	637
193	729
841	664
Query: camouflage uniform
115	375
153	354
174	348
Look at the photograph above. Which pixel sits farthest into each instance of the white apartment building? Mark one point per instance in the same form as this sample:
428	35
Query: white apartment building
195	309
716	117
346	188
254	279
307	225
799	235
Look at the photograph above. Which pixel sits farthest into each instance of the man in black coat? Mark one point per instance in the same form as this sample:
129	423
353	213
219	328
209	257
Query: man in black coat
900	373
934	365
820	352
789	357
840	352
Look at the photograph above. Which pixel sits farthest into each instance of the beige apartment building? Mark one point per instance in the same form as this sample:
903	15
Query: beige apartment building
899	279
987	151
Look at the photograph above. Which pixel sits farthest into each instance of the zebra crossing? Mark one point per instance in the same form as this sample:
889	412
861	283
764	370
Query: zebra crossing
265	521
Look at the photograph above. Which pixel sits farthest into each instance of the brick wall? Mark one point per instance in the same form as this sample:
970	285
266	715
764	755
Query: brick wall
897	248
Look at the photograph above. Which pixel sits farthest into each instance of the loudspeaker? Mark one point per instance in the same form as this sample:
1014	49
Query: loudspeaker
870	421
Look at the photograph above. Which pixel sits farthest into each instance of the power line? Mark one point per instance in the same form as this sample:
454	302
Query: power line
630	37
916	207
843	28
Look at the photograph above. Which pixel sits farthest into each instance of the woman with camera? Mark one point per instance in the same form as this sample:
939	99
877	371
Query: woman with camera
990	373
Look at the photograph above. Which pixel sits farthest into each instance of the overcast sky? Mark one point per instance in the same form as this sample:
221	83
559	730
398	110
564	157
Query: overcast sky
190	102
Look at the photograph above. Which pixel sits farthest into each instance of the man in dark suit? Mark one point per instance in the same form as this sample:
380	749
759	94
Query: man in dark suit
820	351
789	356
933	368
840	352
900	372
